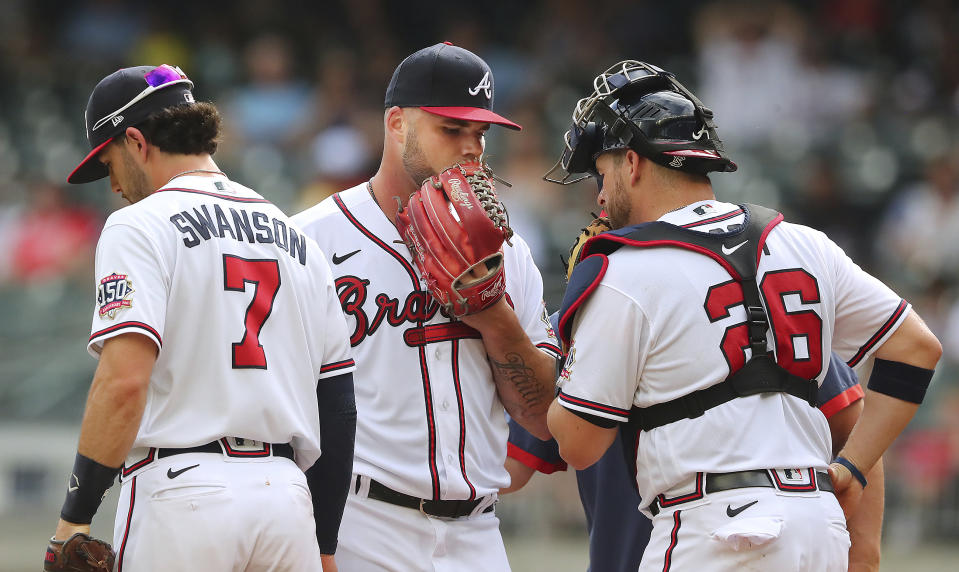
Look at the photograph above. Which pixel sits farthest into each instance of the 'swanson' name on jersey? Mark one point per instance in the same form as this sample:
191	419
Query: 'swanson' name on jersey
242	225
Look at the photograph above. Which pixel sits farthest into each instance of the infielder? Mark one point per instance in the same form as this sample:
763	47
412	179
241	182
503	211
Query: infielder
224	360
430	390
619	533
724	318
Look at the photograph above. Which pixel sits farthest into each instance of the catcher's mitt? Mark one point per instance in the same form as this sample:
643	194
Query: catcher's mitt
454	226
79	553
599	224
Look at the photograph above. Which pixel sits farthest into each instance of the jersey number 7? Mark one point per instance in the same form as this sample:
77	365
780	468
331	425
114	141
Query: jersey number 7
265	277
798	333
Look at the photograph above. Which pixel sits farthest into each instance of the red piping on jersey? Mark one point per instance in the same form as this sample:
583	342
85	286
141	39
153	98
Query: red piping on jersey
430	422
593	405
673	541
216	195
126	528
378	241
424	372
337	365
532	461
459	404
878	335
719	218
433	333
122	325
811	486
842	401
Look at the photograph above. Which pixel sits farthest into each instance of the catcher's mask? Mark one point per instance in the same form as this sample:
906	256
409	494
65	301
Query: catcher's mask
638	106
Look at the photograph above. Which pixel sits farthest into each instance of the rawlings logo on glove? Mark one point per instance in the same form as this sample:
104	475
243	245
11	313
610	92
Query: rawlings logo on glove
455	226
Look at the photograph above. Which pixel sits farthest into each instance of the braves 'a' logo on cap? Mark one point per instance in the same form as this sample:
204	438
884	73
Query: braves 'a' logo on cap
485	84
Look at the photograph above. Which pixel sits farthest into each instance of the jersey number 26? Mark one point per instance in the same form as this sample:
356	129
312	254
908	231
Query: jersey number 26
798	333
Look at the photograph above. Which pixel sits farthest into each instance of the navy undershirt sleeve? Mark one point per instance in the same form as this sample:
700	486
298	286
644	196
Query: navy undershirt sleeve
329	478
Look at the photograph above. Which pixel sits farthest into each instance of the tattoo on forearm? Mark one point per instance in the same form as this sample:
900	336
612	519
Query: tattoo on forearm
521	377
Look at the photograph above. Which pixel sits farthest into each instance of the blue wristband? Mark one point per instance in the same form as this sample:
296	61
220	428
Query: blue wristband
852	469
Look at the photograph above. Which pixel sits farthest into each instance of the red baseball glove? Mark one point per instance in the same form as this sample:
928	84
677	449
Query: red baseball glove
455	226
79	553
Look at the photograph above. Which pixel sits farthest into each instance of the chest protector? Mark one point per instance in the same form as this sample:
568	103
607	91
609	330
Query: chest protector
761	374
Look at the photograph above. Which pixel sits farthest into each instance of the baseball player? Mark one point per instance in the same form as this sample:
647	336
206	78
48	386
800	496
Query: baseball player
430	390
618	533
224	362
724	317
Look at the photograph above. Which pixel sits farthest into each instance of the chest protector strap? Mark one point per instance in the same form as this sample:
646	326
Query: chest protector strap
738	252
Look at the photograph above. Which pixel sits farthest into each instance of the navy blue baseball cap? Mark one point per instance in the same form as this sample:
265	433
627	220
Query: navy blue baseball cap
446	80
123	99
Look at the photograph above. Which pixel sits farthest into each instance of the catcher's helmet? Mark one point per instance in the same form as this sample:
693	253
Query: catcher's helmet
638	106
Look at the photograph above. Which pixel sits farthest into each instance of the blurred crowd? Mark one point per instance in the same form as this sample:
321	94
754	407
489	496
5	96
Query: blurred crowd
842	113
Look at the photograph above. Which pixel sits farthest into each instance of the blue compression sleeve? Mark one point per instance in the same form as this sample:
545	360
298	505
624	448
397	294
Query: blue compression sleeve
329	478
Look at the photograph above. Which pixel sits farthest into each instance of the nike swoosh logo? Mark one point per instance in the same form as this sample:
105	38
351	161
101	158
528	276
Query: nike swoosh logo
174	474
340	259
728	251
731	512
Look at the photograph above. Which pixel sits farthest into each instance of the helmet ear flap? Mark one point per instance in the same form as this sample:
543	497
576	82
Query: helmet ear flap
583	141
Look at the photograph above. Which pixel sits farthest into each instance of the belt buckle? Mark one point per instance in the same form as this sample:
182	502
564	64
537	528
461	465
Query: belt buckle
423	502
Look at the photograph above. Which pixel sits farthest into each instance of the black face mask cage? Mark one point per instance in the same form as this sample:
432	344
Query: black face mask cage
594	119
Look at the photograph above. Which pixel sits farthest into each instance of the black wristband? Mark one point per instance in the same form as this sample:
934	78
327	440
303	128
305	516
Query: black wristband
88	484
852	469
900	380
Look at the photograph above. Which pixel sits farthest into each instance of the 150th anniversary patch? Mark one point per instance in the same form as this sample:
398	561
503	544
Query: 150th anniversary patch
114	293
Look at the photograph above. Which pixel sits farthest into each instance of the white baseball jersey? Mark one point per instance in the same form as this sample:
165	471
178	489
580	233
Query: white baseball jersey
241	305
665	322
429	421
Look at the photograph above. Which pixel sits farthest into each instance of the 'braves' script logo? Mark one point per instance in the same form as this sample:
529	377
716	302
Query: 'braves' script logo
485	84
419	307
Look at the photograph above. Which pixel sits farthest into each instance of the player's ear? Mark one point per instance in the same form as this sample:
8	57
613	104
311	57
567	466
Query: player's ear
396	123
635	164
136	142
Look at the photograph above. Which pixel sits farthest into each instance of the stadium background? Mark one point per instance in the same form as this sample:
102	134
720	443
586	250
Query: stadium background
842	113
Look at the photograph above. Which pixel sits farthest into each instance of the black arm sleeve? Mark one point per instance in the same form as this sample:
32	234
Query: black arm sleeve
329	478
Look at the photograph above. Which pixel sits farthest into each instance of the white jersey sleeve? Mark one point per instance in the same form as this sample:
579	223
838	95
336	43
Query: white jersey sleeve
531	312
590	381
337	355
132	286
863	305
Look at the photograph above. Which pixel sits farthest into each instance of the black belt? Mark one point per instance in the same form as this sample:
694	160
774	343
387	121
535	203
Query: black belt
716	482
441	508
277	449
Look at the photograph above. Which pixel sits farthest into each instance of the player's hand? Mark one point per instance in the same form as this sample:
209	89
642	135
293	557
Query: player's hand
329	563
847	488
493	320
67	529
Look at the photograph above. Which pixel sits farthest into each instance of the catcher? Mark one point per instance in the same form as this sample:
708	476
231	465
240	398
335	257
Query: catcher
448	326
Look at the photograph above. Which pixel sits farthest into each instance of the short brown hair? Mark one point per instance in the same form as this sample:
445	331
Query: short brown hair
184	129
